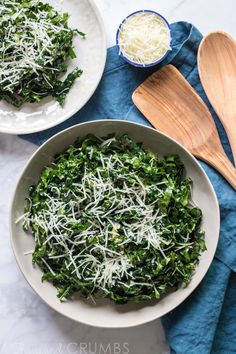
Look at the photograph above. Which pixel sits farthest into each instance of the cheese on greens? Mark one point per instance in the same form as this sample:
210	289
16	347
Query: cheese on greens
110	217
35	44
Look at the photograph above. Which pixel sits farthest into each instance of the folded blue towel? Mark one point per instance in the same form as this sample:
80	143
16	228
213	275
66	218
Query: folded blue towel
206	321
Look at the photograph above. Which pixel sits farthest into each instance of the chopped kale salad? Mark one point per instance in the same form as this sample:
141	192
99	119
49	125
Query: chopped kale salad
36	43
112	219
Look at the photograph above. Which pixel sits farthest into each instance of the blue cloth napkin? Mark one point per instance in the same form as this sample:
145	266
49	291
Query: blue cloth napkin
206	321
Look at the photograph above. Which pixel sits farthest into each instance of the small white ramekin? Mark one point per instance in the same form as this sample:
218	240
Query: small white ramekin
122	54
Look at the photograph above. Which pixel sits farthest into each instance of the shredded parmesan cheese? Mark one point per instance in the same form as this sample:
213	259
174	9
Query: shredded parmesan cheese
144	38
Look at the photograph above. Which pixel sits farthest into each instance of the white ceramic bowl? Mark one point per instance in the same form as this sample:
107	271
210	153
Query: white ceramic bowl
91	57
105	313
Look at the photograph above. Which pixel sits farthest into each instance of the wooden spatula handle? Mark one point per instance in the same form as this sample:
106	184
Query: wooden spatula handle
221	163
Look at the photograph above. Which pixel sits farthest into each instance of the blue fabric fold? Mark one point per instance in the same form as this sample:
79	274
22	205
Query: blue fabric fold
206	321
192	327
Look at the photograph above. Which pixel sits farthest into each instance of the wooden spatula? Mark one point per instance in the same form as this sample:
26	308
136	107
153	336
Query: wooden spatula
217	71
172	106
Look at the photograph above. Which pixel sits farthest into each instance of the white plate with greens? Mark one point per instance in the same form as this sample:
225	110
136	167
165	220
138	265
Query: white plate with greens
123	233
37	57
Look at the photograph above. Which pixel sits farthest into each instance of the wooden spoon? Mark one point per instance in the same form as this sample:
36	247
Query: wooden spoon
172	106
217	71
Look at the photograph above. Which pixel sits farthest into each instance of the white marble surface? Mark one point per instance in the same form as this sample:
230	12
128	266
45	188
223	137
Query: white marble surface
27	325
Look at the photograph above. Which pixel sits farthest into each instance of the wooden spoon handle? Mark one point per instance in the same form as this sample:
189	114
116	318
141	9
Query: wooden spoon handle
217	72
222	164
231	132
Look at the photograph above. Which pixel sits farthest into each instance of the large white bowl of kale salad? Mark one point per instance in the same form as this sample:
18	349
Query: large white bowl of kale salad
52	56
114	224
